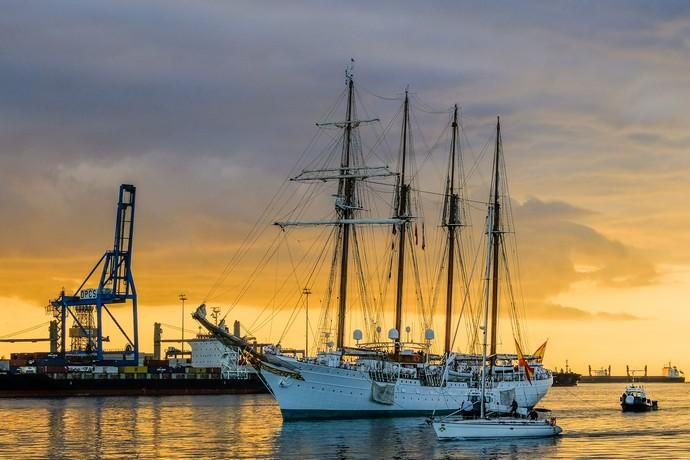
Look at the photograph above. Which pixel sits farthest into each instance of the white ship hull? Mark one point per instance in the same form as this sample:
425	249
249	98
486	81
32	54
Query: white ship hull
495	429
334	392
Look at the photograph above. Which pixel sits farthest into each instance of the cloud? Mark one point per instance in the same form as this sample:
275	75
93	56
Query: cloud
555	311
557	250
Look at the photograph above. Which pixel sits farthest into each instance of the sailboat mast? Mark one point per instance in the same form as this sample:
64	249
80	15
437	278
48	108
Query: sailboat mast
452	203
490	236
346	191
496	238
402	214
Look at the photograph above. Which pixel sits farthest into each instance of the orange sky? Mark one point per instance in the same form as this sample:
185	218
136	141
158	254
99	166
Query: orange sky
206	109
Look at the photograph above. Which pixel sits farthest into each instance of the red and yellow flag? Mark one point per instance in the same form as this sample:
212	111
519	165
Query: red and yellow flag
539	353
522	362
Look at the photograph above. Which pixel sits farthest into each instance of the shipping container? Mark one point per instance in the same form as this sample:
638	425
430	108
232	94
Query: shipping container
105	370
133	369
18	362
52	369
80	369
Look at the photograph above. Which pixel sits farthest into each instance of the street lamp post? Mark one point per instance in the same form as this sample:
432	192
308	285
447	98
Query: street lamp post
182	298
306	292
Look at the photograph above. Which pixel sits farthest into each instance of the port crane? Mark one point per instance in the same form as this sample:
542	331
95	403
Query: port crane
110	282
52	336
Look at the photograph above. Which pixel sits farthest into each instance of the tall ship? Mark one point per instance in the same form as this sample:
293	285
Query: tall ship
398	377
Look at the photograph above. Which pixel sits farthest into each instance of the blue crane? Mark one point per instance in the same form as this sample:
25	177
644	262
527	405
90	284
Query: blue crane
115	286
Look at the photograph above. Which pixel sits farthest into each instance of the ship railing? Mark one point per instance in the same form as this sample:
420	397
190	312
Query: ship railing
232	368
234	373
431	378
384	375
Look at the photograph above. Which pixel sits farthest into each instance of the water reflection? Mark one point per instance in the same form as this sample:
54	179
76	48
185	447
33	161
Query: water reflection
513	448
55	424
392	438
250	426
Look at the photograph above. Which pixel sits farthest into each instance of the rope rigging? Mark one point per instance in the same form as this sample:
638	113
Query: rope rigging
372	250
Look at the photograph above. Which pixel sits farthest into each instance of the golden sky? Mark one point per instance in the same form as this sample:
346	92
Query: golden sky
206	108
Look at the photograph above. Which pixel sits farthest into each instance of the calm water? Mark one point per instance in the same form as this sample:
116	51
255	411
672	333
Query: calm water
251	427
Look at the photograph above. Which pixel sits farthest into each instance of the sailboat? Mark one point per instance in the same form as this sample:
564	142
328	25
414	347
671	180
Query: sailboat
372	380
492	427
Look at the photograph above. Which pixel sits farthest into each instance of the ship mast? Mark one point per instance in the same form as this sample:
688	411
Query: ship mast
348	174
496	241
402	214
345	190
490	236
451	218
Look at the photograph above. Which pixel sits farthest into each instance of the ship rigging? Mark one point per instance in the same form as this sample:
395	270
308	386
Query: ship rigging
399	377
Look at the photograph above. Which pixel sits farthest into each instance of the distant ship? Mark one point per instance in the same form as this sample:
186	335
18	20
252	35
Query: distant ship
396	378
669	374
565	378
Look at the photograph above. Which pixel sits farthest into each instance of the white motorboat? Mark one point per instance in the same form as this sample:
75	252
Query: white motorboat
635	399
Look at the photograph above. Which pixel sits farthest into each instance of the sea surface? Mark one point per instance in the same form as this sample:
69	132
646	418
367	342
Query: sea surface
250	426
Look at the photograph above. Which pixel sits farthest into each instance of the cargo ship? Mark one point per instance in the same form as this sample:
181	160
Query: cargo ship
215	370
669	374
79	365
123	383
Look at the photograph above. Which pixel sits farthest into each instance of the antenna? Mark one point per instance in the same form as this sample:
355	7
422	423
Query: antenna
349	70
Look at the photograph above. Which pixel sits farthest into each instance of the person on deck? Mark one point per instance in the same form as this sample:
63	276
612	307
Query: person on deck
513	408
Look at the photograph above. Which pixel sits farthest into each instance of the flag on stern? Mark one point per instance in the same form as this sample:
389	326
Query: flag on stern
522	362
538	355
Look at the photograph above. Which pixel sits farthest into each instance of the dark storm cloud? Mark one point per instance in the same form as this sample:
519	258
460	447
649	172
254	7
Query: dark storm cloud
203	103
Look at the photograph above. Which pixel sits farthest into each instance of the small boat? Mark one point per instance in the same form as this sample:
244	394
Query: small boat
521	424
495	428
634	399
